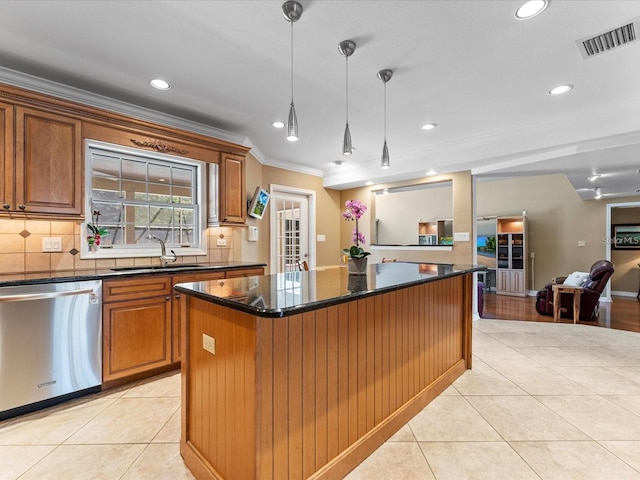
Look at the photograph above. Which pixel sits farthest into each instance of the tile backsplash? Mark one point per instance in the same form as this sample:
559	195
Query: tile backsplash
21	248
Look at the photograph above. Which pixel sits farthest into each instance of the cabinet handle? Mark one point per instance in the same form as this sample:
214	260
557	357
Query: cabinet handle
6	206
177	296
167	298
21	207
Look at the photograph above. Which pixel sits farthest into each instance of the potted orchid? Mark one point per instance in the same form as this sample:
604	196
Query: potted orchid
357	261
95	232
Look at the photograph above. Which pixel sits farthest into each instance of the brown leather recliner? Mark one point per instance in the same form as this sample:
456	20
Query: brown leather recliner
599	275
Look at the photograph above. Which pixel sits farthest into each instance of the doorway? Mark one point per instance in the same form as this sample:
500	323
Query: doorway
292	227
612	208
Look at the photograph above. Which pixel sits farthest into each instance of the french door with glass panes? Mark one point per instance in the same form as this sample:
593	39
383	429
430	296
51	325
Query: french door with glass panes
290	219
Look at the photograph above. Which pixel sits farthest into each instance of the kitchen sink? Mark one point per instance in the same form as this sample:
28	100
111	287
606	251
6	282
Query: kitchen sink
171	266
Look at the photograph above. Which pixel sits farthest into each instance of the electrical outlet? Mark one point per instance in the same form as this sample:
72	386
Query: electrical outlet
209	343
221	242
582	243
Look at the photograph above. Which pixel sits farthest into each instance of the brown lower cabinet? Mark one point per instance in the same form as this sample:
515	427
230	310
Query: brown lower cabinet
141	323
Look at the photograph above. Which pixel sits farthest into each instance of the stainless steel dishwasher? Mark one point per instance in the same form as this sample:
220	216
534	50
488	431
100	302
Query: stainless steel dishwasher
50	344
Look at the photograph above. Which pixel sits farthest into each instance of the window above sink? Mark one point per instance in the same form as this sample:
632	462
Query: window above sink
138	192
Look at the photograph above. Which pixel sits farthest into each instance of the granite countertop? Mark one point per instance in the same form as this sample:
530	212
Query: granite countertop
8	280
285	294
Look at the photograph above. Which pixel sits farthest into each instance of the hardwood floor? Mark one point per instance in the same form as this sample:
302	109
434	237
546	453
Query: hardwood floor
623	313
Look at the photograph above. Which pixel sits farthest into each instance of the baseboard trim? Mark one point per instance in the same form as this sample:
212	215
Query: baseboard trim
619	293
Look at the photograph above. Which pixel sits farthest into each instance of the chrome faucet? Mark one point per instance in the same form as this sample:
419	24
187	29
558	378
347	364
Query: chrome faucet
164	258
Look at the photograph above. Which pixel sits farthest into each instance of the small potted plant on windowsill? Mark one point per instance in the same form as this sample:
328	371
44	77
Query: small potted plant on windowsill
356	256
95	232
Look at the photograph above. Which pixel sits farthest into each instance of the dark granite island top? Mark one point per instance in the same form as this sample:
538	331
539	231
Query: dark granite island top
284	294
304	374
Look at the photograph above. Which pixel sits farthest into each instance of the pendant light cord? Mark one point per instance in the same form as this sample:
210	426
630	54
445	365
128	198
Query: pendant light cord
291	21
347	88
385	111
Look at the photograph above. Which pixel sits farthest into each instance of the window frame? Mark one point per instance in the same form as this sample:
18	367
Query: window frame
151	250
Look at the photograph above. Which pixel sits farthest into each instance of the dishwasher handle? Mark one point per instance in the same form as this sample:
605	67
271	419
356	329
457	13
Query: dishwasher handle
41	296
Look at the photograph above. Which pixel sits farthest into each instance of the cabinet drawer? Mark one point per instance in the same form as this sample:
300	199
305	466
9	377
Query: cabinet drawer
135	288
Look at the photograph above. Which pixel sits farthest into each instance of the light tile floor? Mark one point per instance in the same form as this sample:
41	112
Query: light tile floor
543	401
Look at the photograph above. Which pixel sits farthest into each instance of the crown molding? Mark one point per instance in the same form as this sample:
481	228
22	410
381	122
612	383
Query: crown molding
65	92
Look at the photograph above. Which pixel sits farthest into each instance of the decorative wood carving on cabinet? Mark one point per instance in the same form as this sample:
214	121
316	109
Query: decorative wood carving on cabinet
159	146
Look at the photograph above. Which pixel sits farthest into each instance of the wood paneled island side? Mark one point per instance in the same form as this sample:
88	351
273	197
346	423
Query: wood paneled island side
304	374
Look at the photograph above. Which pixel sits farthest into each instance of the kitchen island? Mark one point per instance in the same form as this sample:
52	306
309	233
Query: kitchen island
304	374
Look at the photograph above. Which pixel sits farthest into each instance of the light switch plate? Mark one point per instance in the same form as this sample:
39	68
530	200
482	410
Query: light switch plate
51	244
221	242
461	236
321	238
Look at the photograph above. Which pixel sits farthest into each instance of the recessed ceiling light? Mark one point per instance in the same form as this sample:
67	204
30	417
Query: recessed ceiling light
559	90
368	182
431	172
337	162
160	84
531	8
277	125
429	126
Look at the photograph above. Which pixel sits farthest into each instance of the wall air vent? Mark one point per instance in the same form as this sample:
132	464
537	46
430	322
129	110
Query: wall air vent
606	41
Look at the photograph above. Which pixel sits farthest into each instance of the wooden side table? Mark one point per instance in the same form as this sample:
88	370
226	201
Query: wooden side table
575	291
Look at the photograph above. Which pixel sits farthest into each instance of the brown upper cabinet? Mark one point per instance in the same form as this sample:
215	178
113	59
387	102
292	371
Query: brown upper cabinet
233	202
42	154
43	168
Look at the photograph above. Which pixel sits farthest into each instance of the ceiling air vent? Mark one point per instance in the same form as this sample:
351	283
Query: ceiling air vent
606	41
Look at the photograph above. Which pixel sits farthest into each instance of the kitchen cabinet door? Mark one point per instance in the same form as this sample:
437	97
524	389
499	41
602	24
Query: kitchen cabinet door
136	328
233	201
136	337
6	154
48	164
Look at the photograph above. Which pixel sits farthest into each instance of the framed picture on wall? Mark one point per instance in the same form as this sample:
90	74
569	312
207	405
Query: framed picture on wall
626	237
259	203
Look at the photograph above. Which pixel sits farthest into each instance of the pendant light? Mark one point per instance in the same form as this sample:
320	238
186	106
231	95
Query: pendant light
385	76
347	48
292	12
